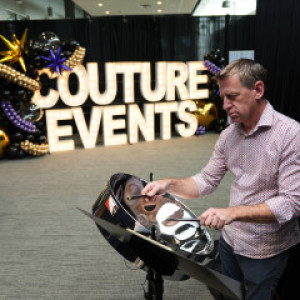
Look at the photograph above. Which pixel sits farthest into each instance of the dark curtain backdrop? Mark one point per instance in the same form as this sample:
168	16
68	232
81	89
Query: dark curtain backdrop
147	38
121	39
140	38
277	47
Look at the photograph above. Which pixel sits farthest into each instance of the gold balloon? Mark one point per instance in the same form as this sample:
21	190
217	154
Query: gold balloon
4	141
206	113
34	149
19	78
16	49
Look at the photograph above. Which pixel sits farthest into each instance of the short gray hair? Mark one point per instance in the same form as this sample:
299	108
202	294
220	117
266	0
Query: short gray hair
248	70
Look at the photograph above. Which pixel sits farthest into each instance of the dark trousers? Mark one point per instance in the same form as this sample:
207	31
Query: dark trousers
259	276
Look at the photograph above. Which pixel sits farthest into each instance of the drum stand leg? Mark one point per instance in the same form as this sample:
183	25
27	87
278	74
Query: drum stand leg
155	281
155	286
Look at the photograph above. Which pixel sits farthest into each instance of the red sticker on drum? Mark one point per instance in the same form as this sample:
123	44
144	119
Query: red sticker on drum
111	205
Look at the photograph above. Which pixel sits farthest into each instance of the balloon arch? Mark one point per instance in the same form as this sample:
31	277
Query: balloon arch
22	123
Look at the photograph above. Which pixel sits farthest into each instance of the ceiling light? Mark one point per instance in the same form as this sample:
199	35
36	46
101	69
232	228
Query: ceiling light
100	4
145	5
159	11
107	12
50	11
226	4
159	3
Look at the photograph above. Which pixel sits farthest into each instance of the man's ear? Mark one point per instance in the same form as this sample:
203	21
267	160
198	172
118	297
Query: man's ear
259	88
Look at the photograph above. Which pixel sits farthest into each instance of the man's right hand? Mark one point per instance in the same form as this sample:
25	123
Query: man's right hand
157	187
182	187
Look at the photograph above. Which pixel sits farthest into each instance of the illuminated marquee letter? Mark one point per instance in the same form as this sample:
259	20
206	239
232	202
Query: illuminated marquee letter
110	83
110	138
88	136
45	101
128	70
55	131
160	80
137	121
165	109
177	81
83	87
195	79
187	117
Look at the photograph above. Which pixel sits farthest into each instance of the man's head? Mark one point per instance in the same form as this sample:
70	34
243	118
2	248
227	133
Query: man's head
248	70
242	86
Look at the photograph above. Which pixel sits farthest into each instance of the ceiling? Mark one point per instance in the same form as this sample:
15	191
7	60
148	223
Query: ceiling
136	7
57	9
165	7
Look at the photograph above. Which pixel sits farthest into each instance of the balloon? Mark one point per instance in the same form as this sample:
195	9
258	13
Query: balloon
48	40
31	112
17	137
42	139
21	119
16	49
4	142
15	118
200	130
13	151
218	51
56	62
206	113
29	137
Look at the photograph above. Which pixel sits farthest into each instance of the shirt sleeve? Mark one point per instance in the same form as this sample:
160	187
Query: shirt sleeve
286	205
211	175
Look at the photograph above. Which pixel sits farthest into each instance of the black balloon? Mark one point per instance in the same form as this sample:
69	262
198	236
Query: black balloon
16	137
42	139
13	151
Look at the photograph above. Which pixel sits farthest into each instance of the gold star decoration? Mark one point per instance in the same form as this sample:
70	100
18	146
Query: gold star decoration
16	48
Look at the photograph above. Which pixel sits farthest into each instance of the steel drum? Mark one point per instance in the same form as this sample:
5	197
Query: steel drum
118	205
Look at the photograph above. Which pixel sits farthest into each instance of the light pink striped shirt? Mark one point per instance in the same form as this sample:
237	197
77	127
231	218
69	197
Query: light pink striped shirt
266	168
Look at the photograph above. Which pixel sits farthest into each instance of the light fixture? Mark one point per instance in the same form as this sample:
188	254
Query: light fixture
50	11
107	12
100	4
226	4
159	11
159	2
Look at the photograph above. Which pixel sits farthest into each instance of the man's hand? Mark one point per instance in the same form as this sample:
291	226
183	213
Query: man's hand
157	187
182	187
216	217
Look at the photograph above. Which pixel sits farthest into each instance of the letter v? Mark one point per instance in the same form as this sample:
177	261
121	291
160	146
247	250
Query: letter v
88	136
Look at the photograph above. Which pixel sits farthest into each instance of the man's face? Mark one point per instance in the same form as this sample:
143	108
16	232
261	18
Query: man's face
239	102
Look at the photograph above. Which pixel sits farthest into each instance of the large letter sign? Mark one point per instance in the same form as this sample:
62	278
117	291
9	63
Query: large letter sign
127	122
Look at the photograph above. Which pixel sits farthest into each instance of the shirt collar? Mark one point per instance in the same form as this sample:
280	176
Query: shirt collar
266	120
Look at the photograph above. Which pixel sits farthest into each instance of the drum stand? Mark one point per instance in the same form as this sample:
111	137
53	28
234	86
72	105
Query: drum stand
155	281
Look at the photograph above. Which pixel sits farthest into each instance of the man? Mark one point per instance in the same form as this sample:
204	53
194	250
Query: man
261	148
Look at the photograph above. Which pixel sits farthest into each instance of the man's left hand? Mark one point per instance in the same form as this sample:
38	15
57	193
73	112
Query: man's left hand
216	217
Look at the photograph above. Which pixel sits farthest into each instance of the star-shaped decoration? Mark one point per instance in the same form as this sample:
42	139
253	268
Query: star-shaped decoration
16	49
56	62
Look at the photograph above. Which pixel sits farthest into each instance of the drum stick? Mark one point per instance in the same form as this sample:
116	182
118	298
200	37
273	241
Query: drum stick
190	220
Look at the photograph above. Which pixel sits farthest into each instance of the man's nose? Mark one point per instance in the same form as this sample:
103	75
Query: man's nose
226	103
